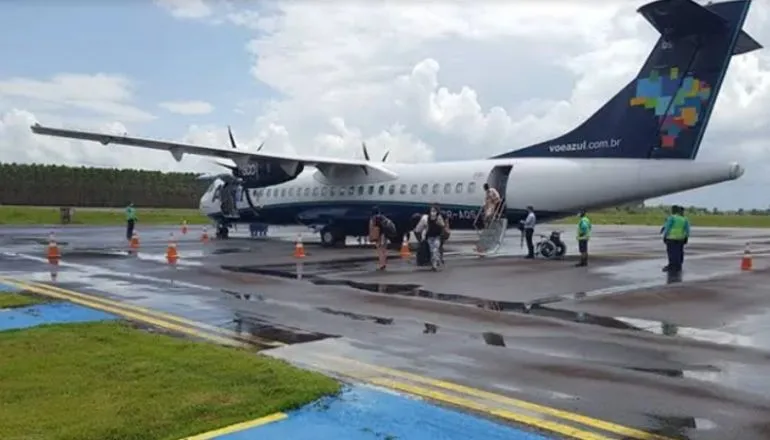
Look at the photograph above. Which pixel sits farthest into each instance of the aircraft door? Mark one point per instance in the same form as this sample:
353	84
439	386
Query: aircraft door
228	197
498	179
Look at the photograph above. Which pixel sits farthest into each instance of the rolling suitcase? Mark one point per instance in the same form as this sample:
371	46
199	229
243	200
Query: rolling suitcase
423	253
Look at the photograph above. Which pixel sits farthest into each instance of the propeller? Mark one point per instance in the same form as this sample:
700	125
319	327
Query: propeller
366	152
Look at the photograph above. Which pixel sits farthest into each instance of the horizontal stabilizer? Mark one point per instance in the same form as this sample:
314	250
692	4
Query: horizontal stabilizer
745	44
680	18
675	19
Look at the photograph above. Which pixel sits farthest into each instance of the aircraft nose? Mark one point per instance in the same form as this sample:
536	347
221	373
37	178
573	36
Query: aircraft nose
736	170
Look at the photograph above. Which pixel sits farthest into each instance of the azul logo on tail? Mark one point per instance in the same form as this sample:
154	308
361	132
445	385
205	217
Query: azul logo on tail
677	102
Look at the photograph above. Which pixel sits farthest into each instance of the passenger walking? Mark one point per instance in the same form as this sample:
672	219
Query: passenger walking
676	232
528	225
435	227
130	220
491	203
380	228
583	235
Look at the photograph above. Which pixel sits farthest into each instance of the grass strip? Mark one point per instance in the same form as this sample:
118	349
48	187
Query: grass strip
112	381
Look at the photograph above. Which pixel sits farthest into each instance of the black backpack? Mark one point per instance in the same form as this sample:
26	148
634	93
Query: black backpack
387	226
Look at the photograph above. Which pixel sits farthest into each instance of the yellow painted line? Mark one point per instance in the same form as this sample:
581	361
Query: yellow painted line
148	312
277	417
566	415
118	310
502	413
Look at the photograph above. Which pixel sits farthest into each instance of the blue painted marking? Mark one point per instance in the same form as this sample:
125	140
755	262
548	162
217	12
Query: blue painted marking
8	288
59	313
365	413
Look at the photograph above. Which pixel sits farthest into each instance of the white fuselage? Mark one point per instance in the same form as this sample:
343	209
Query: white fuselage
548	184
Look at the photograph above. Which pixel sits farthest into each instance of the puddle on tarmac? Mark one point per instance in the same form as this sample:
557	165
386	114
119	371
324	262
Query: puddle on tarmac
225	251
357	316
247	325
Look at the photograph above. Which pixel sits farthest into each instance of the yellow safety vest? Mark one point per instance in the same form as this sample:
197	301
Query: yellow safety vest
584	229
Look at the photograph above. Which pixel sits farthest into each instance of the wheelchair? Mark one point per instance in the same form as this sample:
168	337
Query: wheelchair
551	246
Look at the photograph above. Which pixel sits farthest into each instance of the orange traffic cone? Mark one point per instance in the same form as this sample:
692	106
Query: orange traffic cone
171	254
53	250
184	226
746	261
205	236
134	243
405	252
299	249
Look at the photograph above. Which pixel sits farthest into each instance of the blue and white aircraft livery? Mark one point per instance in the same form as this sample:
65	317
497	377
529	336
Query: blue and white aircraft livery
641	144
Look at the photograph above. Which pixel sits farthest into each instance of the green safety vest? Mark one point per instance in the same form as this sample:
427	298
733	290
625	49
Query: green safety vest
130	213
584	225
676	231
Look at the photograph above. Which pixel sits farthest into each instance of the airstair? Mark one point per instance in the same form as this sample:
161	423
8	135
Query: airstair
229	197
492	233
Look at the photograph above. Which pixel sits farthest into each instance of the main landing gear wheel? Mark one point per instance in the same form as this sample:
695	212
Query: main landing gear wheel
223	232
331	237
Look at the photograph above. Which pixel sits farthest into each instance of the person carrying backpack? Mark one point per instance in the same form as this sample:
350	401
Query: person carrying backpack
381	228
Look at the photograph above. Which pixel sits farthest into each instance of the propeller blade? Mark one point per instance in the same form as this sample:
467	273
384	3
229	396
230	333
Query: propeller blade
366	153
232	139
260	146
385	156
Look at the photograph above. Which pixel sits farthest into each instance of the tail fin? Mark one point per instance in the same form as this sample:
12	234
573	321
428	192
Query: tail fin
664	112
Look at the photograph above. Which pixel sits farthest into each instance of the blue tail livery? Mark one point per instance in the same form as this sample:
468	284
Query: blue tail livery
664	111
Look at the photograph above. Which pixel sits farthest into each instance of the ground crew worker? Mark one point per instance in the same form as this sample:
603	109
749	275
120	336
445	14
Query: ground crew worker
434	226
130	220
676	232
528	226
583	235
491	201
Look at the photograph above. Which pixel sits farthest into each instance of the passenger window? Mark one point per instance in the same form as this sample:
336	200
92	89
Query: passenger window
307	192
402	189
351	190
267	193
283	192
392	189
447	188
371	189
471	187
424	189
260	192
436	186
332	191
291	192
413	190
324	191
381	190
315	191
341	191
459	188
360	190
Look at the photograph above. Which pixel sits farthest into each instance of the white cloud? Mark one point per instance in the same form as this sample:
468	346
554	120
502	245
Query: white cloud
99	94
188	107
186	8
459	80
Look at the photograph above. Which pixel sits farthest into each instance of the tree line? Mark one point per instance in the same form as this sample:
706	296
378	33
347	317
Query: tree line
56	185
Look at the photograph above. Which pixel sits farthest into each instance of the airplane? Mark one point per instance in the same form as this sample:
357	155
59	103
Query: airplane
641	144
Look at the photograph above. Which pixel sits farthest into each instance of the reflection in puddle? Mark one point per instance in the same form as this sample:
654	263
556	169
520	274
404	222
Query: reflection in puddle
263	330
357	316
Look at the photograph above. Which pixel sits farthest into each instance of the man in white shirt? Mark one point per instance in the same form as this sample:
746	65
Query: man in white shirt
528	225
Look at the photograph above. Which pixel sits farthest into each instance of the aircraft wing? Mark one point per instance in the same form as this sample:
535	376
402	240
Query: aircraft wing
330	167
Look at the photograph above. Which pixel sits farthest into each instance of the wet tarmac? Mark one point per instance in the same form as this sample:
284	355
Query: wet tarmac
620	341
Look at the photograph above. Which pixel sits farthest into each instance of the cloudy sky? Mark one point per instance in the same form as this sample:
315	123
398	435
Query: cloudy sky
427	81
